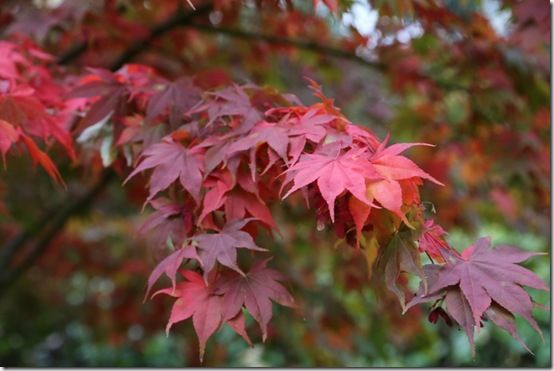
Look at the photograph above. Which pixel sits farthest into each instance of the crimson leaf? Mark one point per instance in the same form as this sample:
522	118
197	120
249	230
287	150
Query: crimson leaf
222	246
255	291
171	161
195	298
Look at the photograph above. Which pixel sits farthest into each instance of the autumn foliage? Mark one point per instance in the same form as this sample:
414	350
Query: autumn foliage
218	157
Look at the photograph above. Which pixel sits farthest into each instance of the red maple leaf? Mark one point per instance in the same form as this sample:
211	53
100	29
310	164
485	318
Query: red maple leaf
169	221
481	281
255	291
170	265
196	299
106	85
175	99
334	173
432	241
42	158
171	161
222	246
8	136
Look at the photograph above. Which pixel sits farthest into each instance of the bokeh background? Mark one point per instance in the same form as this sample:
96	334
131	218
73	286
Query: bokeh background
471	77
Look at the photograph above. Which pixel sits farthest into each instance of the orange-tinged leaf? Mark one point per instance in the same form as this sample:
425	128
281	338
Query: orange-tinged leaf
8	136
334	174
371	250
43	159
360	212
389	194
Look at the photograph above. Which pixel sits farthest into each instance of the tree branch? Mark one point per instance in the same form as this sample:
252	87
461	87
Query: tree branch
180	18
55	225
73	52
285	41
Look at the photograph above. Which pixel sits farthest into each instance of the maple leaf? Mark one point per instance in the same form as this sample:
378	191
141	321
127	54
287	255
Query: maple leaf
228	102
394	149
169	221
432	241
276	138
42	158
12	58
222	246
505	320
170	265
255	291
334	175
196	299
485	274
22	109
483	282
171	161
311	125
359	212
389	194
108	87
8	136
219	184
177	98
400	255
238	202
388	163
220	150
395	169
400	167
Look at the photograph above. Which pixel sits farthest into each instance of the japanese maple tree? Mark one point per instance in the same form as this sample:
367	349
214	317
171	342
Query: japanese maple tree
218	157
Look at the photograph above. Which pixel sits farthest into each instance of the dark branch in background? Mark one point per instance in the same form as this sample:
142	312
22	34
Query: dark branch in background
55	225
286	41
13	245
72	53
310	46
180	18
49	226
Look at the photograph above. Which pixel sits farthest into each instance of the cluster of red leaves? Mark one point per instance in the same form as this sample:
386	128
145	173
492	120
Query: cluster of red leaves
32	104
222	156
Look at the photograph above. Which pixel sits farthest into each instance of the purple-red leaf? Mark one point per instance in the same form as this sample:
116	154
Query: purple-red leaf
195	298
175	99
254	291
483	282
222	246
171	161
487	274
170	265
